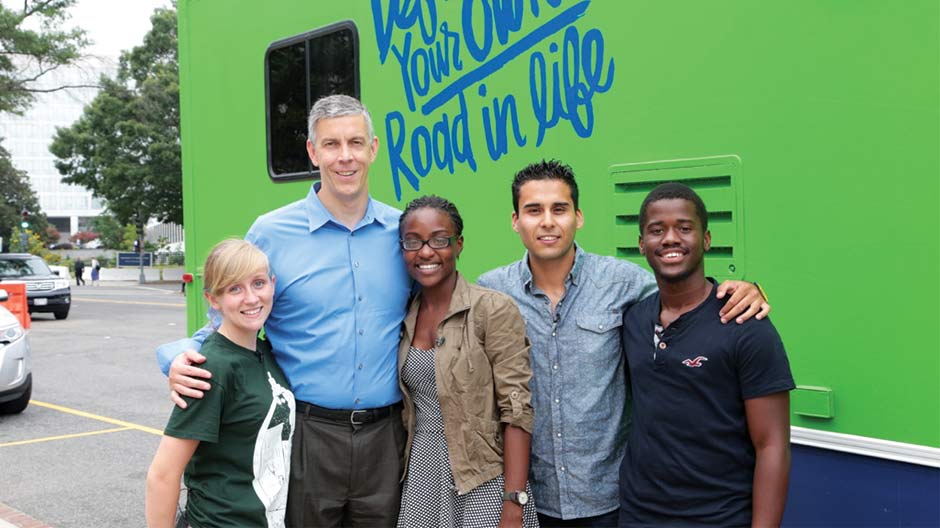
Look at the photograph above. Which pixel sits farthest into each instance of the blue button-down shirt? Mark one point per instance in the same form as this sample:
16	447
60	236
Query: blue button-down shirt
578	386
339	300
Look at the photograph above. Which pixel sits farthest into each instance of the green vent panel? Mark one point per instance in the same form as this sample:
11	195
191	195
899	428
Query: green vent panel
716	179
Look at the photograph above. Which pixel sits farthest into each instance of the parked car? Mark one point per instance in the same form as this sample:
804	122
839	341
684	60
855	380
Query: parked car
62	271
45	291
172	247
16	377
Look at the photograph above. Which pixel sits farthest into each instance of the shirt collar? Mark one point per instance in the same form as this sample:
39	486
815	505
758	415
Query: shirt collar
707	308
318	215
573	275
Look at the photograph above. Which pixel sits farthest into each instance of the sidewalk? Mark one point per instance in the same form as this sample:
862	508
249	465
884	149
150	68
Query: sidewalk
11	518
131	275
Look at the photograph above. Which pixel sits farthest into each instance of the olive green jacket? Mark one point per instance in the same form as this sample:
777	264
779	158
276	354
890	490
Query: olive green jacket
481	367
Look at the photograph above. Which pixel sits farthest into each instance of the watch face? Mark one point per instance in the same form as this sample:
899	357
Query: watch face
523	498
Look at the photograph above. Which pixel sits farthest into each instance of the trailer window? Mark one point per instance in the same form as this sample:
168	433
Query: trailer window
298	71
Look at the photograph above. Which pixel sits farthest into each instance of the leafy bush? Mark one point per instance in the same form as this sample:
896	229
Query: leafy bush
84	237
34	243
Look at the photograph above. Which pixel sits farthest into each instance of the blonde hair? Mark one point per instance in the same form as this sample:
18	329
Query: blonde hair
230	261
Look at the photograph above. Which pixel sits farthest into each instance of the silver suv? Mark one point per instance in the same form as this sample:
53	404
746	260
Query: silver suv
16	378
46	291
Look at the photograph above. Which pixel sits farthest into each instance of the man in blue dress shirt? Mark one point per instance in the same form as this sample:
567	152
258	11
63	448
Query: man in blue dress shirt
573	303
340	295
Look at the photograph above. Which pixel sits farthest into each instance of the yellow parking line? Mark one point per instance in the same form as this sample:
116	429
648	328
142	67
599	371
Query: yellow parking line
64	437
85	299
105	419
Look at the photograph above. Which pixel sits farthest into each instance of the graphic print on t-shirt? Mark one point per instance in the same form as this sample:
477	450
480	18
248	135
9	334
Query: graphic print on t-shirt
271	461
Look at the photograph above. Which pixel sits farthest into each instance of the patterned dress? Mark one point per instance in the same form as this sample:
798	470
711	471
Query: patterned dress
429	497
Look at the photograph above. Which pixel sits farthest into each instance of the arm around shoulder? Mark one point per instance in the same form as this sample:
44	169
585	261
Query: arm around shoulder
167	352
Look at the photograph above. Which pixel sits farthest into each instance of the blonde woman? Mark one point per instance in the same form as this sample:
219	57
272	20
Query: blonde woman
235	442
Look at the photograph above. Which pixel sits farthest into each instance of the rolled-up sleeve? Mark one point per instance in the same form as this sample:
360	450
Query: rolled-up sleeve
507	347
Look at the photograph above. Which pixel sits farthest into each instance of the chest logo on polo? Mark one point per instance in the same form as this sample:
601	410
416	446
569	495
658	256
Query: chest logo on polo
694	363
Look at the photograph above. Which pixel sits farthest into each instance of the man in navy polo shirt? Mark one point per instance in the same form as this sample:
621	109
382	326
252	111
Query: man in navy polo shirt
710	441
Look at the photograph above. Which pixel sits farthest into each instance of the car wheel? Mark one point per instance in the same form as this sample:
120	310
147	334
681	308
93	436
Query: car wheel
61	314
18	405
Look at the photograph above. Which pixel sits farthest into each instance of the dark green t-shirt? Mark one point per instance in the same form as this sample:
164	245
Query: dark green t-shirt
238	475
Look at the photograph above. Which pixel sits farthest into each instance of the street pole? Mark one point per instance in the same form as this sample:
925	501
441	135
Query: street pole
140	257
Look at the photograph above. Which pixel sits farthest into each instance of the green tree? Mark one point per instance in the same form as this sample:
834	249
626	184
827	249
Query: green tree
128	237
125	147
109	230
26	55
16	195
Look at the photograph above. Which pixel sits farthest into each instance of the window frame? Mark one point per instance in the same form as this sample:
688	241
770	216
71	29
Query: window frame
312	172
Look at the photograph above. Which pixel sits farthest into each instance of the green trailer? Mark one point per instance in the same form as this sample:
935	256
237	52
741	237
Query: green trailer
810	128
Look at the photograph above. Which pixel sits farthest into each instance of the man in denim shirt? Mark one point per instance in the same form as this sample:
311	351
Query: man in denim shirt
573	303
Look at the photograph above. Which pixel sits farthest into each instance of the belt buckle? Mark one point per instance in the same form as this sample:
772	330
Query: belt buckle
352	417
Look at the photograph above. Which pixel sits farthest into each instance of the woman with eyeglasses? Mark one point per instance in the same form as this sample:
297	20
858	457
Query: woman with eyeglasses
464	372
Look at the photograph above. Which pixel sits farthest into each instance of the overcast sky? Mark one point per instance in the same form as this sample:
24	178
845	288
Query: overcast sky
113	25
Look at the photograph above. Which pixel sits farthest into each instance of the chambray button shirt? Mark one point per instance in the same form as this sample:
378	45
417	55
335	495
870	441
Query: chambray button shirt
339	300
578	386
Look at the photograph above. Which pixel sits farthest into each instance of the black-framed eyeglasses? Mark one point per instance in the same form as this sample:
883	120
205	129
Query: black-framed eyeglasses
438	242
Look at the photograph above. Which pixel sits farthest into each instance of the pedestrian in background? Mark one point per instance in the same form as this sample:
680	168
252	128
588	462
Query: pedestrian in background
95	271
79	271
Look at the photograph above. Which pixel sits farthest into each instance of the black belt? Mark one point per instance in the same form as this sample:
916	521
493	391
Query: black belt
347	416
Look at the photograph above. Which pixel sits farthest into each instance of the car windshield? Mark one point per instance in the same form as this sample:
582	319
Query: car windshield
23	267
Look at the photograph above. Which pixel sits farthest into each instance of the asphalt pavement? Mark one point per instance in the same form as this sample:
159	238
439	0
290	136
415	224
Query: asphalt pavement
78	455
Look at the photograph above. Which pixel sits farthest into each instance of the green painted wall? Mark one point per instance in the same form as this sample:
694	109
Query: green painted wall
828	110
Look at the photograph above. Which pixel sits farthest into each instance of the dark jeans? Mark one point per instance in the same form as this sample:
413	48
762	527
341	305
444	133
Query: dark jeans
346	476
599	521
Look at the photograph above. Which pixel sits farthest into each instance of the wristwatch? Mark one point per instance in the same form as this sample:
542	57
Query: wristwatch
519	497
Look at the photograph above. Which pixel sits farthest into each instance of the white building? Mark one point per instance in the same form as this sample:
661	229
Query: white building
28	137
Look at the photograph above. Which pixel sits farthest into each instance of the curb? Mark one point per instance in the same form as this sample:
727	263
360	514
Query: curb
12	518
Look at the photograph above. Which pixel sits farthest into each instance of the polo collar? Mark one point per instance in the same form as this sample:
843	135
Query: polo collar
318	215
708	307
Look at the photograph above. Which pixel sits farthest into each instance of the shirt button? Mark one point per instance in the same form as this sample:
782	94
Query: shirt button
356	264
562	468
600	327
557	400
514	394
555	367
361	331
360	366
558	435
662	345
357	400
360	298
553	334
